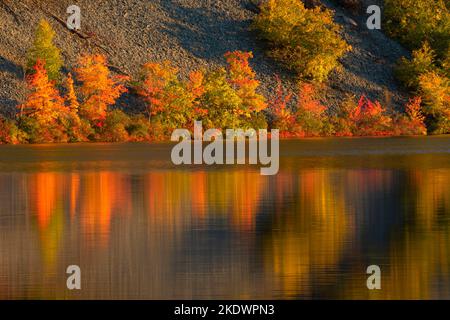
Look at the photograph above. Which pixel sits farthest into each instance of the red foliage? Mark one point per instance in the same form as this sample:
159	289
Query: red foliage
369	119
283	118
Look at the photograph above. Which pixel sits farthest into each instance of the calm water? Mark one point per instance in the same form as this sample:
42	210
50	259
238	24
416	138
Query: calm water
140	228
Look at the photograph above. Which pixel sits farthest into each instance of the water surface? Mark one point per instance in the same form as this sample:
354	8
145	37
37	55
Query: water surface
141	228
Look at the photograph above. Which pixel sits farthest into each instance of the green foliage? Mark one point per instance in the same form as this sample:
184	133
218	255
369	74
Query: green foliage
306	40
416	21
139	128
408	71
35	132
44	49
10	133
435	92
114	128
221	101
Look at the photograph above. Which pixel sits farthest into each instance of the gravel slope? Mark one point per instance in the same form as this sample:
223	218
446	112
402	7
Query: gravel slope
190	33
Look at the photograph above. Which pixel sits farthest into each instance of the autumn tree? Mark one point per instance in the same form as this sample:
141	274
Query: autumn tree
71	97
77	129
243	77
154	81
99	88
43	108
44	49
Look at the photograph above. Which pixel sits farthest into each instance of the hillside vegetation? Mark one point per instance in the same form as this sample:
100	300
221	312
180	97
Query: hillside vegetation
85	88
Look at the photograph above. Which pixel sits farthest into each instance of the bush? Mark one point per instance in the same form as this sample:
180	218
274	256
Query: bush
310	114
43	49
435	92
412	122
408	71
138	129
306	40
222	101
361	118
10	133
114	128
222	98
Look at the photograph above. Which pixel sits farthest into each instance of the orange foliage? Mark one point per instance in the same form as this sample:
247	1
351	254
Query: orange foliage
196	87
307	100
242	77
310	112
413	122
44	103
283	118
369	119
155	78
71	98
99	88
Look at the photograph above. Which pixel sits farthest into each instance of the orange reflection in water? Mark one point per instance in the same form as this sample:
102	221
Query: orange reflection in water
297	229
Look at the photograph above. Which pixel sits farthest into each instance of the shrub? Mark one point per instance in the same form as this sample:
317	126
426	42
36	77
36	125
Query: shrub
408	71
138	129
44	49
412	122
310	113
153	83
10	133
306	40
343	125
114	127
283	118
71	97
361	118
99	88
435	91
370	119
222	101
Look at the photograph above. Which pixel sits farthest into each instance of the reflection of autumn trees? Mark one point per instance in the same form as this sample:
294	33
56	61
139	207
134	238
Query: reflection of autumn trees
418	259
302	224
309	234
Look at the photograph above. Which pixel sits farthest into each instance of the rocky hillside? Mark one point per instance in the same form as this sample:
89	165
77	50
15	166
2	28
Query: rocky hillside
190	33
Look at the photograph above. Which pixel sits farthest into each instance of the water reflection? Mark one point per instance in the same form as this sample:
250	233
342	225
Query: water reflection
150	231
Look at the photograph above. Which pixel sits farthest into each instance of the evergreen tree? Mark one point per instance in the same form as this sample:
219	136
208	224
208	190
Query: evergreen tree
44	49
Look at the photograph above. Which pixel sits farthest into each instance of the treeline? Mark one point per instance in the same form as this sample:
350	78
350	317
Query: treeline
80	106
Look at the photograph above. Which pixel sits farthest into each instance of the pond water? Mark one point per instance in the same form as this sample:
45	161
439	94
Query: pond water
141	228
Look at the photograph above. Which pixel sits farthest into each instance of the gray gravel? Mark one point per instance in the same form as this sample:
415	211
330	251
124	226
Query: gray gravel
192	34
